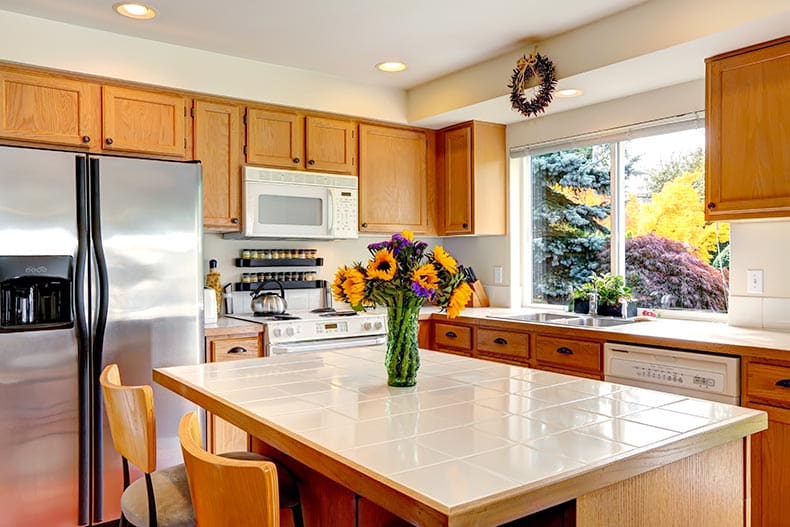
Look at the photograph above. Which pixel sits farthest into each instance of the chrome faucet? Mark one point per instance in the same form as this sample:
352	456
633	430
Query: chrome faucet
593	303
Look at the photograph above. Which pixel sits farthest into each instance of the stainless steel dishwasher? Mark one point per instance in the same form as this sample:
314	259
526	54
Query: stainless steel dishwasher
695	374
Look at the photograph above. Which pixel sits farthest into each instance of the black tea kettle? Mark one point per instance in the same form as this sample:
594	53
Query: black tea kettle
268	302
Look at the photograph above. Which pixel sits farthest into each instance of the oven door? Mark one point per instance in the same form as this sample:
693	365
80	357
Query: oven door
287	210
282	348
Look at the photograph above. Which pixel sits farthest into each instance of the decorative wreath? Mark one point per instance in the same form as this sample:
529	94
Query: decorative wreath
536	65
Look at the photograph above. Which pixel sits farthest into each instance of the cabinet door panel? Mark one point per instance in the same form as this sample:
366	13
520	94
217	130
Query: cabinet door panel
49	110
499	342
217	138
331	145
275	138
392	186
568	353
748	160
143	122
458	189
453	336
770	477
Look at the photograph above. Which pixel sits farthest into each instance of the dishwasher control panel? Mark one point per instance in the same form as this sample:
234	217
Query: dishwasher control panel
691	372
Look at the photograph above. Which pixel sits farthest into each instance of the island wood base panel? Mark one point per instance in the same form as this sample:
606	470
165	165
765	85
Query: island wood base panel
708	489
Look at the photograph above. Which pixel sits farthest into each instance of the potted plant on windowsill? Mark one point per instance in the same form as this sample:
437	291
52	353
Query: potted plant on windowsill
611	292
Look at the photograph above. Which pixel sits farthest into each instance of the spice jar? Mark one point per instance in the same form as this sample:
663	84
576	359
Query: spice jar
246	254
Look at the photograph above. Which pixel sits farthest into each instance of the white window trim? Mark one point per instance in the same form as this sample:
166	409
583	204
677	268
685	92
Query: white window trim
617	250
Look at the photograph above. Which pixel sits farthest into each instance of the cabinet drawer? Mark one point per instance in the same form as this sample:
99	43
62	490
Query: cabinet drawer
569	353
233	349
453	336
503	343
769	382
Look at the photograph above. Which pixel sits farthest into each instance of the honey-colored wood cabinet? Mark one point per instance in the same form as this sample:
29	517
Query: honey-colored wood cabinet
291	140
473	179
392	179
144	122
453	338
747	173
766	386
502	344
223	436
424	334
49	109
217	145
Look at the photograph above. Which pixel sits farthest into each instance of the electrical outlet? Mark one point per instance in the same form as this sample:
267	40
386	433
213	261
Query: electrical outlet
498	274
754	281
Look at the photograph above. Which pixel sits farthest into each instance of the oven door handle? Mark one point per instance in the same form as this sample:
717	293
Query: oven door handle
321	345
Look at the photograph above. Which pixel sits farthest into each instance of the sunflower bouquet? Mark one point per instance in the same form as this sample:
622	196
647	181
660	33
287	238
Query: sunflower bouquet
402	275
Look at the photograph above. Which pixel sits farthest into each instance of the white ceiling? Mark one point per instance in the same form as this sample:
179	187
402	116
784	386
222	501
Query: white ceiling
344	38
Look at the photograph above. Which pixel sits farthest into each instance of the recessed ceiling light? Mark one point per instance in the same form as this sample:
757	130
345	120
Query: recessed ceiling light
135	10
391	66
571	92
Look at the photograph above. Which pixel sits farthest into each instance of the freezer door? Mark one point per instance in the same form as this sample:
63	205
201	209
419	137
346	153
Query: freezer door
39	399
147	245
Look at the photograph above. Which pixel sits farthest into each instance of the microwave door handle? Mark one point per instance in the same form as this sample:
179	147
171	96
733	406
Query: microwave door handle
330	218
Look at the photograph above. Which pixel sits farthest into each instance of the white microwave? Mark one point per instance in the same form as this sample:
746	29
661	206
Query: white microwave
292	204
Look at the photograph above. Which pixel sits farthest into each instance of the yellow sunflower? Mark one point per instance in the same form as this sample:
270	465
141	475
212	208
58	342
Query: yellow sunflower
409	235
458	299
426	276
354	287
383	266
337	284
445	260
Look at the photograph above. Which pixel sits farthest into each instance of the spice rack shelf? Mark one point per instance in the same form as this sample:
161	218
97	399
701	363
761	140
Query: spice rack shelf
278	262
293	284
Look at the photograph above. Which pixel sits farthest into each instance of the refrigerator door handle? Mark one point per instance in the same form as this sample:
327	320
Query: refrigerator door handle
100	326
83	339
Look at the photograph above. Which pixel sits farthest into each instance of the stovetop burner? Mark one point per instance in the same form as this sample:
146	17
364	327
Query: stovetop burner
282	316
339	314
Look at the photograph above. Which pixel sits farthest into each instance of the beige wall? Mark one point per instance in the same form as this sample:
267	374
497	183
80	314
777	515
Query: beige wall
40	42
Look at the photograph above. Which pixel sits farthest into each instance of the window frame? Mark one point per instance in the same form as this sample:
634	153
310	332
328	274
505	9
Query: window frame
615	138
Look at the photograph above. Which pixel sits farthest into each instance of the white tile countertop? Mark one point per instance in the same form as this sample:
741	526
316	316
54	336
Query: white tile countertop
468	431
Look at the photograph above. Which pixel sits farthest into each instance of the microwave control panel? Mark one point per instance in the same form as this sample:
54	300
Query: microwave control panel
345	221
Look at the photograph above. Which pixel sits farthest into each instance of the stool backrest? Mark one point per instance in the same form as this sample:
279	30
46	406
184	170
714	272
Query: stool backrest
227	492
130	414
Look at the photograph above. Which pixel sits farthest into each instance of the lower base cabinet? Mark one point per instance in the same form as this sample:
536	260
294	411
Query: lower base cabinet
771	471
223	436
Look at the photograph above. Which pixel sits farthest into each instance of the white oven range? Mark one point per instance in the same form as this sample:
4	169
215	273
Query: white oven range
306	331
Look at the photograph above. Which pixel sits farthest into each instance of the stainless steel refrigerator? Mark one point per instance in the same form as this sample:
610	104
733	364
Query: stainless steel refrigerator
100	262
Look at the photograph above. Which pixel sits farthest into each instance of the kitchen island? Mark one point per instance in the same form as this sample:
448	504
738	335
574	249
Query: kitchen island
477	443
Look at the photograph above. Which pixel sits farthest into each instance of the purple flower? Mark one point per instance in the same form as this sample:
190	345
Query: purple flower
379	245
423	291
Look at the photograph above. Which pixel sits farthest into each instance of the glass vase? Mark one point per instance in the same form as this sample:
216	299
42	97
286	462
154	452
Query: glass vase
403	358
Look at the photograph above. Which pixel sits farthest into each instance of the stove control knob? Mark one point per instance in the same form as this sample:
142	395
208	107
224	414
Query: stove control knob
277	332
367	326
289	332
378	324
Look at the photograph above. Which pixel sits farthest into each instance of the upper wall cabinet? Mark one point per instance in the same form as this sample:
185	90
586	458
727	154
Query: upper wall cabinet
392	179
144	122
473	179
748	127
291	140
49	109
217	145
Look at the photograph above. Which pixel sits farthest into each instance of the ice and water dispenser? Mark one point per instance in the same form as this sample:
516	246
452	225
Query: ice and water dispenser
36	292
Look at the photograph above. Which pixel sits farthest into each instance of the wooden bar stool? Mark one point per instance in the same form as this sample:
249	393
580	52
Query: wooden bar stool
230	492
162	497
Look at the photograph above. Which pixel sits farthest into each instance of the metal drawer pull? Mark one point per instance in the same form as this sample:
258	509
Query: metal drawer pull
237	349
784	383
500	340
565	351
451	334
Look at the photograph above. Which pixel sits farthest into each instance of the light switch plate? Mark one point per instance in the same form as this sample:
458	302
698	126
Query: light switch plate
754	281
498	271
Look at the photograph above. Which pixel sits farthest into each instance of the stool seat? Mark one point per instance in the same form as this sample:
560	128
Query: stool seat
173	503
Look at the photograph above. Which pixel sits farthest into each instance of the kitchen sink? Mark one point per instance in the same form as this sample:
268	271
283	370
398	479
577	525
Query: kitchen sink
565	320
536	317
592	322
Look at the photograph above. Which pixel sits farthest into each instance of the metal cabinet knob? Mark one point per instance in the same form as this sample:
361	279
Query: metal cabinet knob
86	139
565	351
500	340
108	140
297	160
237	349
364	225
711	205
311	162
465	225
784	383
451	334
234	221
